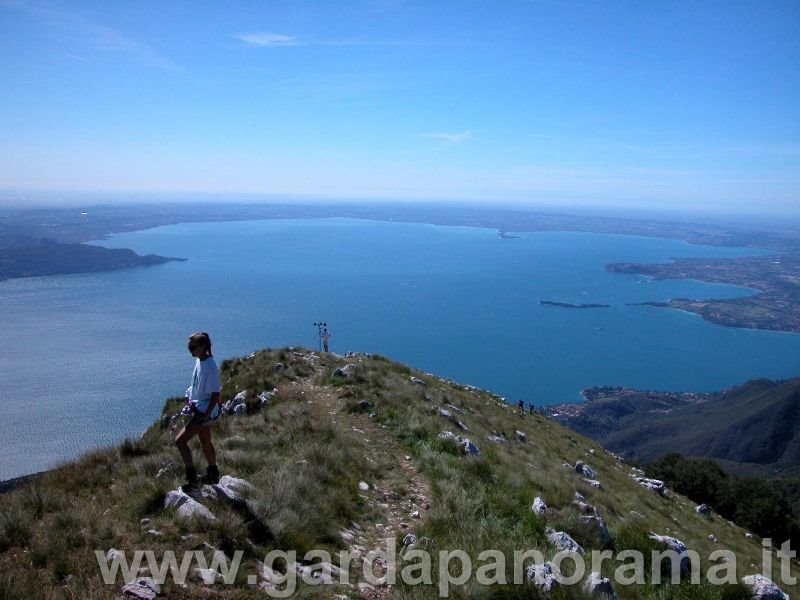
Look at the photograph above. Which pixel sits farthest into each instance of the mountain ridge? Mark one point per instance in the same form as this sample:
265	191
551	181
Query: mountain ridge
751	424
354	454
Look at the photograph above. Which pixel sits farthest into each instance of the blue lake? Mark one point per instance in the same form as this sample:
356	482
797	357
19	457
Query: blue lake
89	359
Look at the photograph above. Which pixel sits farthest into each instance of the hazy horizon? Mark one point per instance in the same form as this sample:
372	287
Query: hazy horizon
52	200
682	106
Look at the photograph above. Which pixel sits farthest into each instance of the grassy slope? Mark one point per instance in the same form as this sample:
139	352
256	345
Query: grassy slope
306	454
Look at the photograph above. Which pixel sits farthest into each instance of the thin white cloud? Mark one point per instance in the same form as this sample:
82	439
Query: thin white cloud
263	39
72	27
76	57
451	139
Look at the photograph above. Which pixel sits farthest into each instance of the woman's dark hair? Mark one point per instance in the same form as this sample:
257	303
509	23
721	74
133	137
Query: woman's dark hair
201	338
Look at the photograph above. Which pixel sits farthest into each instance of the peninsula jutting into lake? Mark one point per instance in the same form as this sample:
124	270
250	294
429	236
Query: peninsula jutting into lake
569	305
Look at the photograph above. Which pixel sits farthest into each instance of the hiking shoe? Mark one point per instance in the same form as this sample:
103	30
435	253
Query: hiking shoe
191	485
212	476
191	488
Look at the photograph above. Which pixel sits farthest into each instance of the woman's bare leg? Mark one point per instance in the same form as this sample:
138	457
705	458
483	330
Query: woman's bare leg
208	447
182	442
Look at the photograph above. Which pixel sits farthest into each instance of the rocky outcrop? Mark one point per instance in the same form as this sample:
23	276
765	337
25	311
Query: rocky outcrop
187	507
325	573
597	585
143	588
265	397
675	545
229	489
703	509
345	372
583	469
563	541
233	405
538	507
764	588
466	444
651	484
543	577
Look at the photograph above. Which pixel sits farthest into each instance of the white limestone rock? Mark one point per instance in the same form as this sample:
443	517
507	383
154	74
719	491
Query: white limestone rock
231	405
265	397
703	509
538	507
143	588
187	507
466	444
564	542
543	577
345	372
597	585
764	588
233	490
652	484
677	546
583	469
325	573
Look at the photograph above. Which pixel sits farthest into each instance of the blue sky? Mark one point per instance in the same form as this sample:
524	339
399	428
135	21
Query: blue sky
657	104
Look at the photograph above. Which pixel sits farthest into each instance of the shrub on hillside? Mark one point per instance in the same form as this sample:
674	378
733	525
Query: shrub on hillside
754	504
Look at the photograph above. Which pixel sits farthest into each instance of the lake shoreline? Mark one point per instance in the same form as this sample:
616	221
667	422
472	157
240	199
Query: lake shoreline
775	308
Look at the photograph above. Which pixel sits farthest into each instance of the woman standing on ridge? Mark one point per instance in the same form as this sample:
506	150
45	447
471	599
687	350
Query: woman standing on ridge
202	399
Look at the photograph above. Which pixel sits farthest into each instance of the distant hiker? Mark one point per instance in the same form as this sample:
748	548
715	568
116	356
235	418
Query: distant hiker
202	403
325	336
530	407
521	405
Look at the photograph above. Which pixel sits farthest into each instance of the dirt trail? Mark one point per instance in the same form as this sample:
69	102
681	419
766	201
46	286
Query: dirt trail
402	499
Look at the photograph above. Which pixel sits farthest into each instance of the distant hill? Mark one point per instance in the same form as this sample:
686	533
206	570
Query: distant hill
753	428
